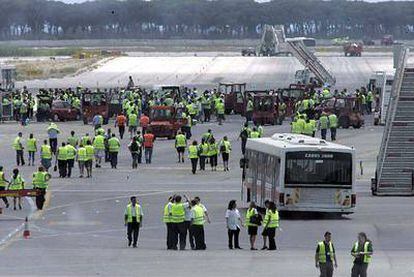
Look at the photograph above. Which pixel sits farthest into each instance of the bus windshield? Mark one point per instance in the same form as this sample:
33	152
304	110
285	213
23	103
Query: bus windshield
318	168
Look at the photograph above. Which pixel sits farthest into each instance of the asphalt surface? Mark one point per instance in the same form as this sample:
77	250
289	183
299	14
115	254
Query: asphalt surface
81	232
207	69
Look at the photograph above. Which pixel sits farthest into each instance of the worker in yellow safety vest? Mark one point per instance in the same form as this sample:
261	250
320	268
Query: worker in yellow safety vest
271	223
31	148
3	185
18	146
114	146
197	225
177	213
362	255
167	220
133	221
180	145
16	183
325	257
40	182
62	156
90	152
193	156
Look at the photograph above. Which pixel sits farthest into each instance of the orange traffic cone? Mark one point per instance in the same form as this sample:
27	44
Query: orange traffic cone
26	232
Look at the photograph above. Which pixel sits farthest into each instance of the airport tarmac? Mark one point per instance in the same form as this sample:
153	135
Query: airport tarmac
81	232
207	69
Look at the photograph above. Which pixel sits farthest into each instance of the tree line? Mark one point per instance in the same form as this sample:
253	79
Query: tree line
213	19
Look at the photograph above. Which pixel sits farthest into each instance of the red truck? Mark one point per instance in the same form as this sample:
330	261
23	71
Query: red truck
165	121
265	108
234	97
353	49
93	104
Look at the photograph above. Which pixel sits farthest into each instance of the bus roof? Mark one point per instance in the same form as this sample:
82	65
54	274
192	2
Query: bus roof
283	142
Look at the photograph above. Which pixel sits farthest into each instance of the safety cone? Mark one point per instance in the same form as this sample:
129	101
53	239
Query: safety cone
26	232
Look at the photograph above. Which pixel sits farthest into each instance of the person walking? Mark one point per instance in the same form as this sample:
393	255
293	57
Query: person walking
177	213
270	223
3	185
252	222
323	125
31	148
325	257
180	145
197	226
244	135
333	125
149	139
134	147
99	147
132	124
133	221
70	158
203	150
212	153
225	149
73	139
62	154
114	146
53	132
46	155
40	182
193	156
233	222
16	183
82	158
18	146
90	152
121	122
220	109
362	255
143	122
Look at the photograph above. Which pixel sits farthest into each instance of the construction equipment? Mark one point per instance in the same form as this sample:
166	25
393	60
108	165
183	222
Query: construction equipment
165	121
309	60
353	49
347	109
265	108
395	163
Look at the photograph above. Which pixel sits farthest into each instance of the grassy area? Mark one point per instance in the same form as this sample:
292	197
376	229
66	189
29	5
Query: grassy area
9	51
45	69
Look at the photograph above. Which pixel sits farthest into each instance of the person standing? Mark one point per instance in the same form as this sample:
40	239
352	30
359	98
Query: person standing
225	149
90	152
270	223
244	135
168	222
233	222
18	146
31	148
46	155
193	156
134	147
120	122
188	221
133	221
362	254
3	185
70	158
148	145
82	158
99	147
220	109
252	227
114	146
197	226
249	110
40	182
180	145
323	125
62	154
177	213
325	257
16	183
333	124
52	132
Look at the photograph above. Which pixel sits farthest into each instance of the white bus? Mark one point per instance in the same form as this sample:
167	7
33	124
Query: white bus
299	173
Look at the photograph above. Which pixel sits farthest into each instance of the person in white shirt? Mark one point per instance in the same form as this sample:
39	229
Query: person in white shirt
233	221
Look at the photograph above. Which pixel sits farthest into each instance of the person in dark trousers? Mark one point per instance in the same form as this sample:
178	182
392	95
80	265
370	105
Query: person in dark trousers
233	221
271	223
197	226
133	221
177	213
134	148
18	146
107	137
3	185
262	211
114	147
121	122
168	221
40	182
325	256
149	146
193	156
244	135
362	253
62	160
188	219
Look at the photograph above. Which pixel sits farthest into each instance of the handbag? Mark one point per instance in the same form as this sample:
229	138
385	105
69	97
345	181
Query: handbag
256	219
